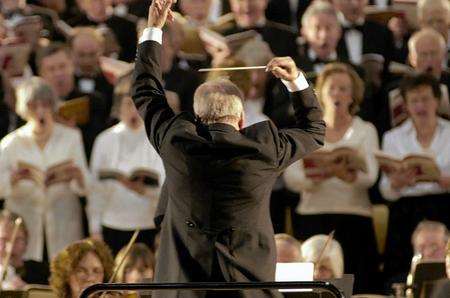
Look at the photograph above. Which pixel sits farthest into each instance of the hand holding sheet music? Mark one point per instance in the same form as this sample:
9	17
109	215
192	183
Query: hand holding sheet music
343	163
410	170
62	172
138	181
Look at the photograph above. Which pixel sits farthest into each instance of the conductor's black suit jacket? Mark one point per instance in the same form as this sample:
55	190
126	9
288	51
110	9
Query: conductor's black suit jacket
217	224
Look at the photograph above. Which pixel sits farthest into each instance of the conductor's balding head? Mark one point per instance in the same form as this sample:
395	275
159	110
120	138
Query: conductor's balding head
219	101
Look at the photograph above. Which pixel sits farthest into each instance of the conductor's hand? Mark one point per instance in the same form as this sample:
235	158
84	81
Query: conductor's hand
159	12
283	68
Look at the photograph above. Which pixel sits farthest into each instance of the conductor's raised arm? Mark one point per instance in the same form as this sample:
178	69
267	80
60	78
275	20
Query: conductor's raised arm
147	91
308	133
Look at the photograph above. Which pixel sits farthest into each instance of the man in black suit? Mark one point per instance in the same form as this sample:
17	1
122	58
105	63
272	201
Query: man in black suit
287	12
87	47
320	35
250	15
362	36
216	225
98	13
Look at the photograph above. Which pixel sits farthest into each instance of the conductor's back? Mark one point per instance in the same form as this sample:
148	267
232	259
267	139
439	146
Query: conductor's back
219	177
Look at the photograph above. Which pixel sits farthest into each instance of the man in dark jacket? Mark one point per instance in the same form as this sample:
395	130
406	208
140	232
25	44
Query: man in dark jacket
217	225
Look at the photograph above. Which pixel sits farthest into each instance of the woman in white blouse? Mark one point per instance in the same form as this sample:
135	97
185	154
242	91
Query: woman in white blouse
424	133
51	210
340	201
122	206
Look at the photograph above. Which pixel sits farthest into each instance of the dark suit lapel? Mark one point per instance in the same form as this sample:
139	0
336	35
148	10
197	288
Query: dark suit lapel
304	63
342	50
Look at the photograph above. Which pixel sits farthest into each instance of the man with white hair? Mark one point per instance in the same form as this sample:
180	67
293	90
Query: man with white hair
216	225
429	239
361	36
427	49
435	14
289	249
326	255
320	34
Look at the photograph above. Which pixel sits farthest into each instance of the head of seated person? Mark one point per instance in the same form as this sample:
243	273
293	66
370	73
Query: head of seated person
254	53
331	263
353	11
422	94
249	13
429	240
427	49
340	91
196	11
11	5
80	265
288	249
87	47
36	102
434	14
219	100
19	247
96	10
138	265
55	65
321	29
123	107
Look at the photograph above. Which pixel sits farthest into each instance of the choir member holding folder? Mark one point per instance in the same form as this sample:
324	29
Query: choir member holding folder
334	185
128	176
45	199
426	136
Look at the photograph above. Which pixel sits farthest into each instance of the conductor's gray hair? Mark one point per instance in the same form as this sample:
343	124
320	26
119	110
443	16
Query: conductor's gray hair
313	247
218	100
34	89
430	226
316	8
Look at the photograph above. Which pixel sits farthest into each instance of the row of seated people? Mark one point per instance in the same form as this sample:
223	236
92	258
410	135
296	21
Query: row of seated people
430	242
75	267
59	203
90	261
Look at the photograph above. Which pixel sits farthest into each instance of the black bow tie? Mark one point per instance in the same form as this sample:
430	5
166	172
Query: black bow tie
322	61
353	27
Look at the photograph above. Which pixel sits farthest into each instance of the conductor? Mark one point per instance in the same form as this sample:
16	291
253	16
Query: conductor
219	176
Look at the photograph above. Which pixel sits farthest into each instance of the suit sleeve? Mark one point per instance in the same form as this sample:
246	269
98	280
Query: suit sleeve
148	92
306	135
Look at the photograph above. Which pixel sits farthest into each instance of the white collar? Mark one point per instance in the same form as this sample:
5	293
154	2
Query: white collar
408	125
345	23
313	56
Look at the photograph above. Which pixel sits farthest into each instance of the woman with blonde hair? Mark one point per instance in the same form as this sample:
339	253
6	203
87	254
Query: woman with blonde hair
80	265
326	255
334	196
